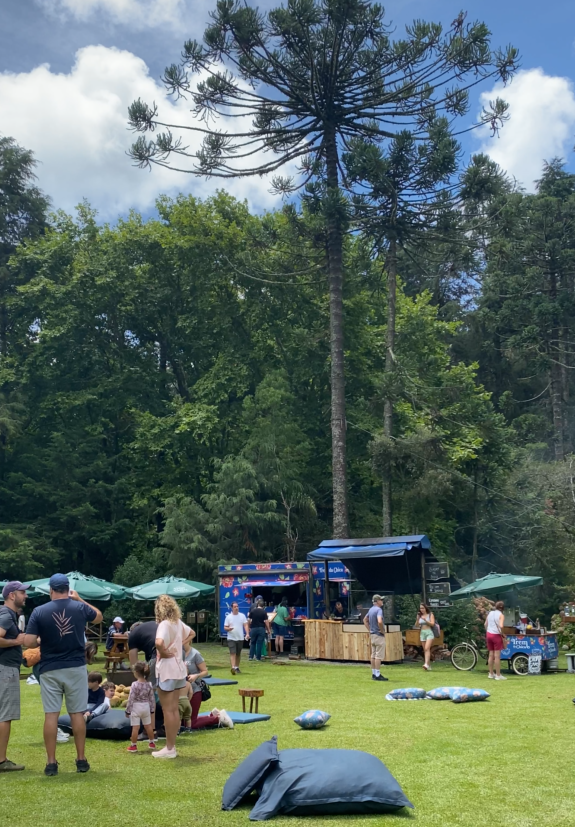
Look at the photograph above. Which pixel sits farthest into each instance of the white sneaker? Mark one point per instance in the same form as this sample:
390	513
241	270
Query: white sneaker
62	737
215	711
31	681
165	753
225	719
491	677
500	678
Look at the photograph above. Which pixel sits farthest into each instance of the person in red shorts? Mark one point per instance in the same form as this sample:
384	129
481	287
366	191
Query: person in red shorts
495	640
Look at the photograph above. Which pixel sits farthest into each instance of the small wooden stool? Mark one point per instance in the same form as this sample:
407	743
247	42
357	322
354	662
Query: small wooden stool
251	694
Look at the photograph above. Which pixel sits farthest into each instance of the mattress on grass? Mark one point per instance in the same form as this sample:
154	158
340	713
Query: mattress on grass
243	717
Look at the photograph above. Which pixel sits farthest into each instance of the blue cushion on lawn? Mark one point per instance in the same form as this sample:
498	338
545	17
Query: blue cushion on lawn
219	682
252	769
409	694
463	696
443	693
328	781
112	725
243	717
312	719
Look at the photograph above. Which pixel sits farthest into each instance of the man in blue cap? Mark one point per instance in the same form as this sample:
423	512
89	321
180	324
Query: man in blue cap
60	625
11	640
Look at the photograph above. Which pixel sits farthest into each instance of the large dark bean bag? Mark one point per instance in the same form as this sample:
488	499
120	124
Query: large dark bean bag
327	782
113	725
248	774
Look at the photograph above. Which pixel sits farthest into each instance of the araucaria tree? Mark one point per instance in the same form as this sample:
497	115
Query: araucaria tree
295	86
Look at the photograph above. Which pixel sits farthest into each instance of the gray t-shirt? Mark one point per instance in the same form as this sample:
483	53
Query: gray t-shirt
373	614
10	655
193	661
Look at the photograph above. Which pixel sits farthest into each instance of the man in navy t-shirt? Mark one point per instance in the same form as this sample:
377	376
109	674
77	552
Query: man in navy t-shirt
59	627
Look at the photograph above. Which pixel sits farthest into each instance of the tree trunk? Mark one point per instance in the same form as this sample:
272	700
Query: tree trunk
565	368
391	267
555	383
475	550
335	266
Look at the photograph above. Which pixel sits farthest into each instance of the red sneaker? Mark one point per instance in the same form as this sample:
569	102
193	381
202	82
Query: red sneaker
151	744
133	748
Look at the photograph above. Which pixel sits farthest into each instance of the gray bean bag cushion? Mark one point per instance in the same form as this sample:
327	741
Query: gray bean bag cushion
327	782
245	778
112	725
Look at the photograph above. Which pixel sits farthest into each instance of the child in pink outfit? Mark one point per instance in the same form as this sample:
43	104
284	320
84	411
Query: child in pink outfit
141	706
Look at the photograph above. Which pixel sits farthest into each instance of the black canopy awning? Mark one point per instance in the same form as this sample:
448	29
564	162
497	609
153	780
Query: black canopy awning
385	564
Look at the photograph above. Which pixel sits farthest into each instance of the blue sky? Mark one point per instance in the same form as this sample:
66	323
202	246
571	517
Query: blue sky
69	68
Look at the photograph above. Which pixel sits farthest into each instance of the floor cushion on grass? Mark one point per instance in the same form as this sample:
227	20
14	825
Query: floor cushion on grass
443	693
406	694
463	696
219	682
246	776
327	781
243	717
312	719
112	725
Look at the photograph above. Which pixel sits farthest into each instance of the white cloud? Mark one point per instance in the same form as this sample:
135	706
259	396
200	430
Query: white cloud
76	125
541	124
138	14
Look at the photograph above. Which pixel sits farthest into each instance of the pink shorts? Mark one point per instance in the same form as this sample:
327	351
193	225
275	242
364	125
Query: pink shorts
494	642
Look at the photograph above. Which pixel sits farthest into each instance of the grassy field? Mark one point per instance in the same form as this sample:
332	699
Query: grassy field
508	760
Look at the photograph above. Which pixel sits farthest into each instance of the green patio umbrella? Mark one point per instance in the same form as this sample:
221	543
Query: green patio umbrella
176	587
87	587
118	592
494	584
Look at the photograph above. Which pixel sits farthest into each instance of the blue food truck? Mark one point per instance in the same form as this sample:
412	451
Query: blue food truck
302	583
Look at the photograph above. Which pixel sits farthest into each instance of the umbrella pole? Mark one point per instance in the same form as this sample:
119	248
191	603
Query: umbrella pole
423	583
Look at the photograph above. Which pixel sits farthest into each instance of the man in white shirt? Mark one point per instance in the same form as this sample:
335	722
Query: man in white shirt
236	625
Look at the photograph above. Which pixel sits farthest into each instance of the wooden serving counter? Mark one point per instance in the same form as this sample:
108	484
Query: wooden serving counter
334	640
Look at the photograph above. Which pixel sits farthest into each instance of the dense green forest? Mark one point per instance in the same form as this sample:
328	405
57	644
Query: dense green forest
166	384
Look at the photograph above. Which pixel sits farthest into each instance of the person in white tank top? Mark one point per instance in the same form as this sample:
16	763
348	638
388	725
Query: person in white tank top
495	640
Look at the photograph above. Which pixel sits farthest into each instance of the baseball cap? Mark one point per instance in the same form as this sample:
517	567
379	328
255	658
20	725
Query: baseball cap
376	597
14	586
117	620
59	581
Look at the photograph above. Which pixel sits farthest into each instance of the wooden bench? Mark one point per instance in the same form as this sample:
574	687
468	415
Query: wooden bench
251	694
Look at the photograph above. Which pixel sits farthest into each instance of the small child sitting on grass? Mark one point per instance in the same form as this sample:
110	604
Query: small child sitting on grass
96	697
185	706
141	705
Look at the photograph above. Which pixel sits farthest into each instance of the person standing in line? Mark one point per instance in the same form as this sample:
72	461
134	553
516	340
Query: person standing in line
11	640
425	624
280	624
259	628
495	640
236	625
61	625
171	671
374	624
141	706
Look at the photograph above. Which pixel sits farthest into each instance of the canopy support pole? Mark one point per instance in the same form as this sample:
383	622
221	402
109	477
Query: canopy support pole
326	590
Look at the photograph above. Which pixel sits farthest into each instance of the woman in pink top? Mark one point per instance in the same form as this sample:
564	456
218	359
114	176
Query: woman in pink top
171	671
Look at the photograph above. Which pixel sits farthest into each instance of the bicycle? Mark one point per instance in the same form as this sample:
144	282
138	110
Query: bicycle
464	656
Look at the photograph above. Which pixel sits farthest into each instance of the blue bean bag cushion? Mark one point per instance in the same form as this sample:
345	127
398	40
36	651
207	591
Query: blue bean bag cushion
406	694
245	778
443	693
112	725
328	782
463	696
312	719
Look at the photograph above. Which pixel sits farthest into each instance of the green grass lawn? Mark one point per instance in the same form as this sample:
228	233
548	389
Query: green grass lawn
506	761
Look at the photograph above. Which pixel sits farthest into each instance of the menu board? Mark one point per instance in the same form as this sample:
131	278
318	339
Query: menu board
436	571
534	664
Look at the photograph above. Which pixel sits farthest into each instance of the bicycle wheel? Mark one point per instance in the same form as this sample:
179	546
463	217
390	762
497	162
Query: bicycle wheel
463	657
